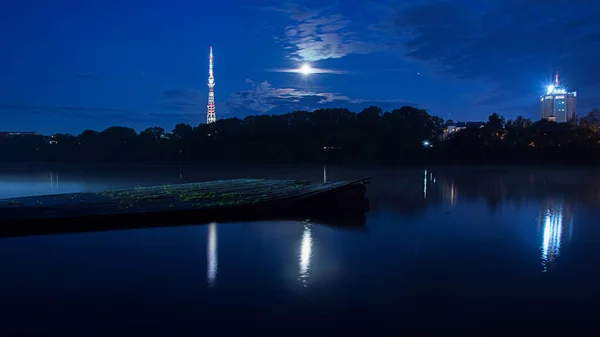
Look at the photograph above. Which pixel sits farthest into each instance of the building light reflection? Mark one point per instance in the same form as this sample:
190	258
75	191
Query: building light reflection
449	192
551	237
555	216
305	253
211	250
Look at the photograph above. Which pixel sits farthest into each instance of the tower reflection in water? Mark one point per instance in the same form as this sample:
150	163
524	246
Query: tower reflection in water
211	250
305	253
449	191
555	219
53	182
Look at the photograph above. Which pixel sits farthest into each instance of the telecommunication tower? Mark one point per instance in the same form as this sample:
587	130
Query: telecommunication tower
210	115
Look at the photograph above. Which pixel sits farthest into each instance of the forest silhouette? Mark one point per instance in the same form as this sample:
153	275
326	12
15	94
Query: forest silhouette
407	135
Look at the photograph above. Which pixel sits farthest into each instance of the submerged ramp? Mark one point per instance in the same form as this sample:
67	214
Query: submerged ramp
220	201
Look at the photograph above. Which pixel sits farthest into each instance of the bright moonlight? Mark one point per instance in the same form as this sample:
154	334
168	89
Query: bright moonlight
305	69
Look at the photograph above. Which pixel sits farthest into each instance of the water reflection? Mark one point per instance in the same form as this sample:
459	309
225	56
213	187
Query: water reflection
413	236
425	186
554	216
54	182
498	186
47	182
551	237
449	192
211	250
305	253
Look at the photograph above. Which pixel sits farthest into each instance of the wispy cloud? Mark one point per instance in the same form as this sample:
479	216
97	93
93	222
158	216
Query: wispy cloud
93	113
184	101
498	42
67	111
312	71
316	34
265	98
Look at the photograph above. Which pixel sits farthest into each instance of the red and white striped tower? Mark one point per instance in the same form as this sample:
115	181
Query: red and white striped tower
210	115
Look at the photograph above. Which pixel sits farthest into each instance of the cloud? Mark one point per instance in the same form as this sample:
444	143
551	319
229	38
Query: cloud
513	45
316	34
312	71
265	98
187	101
67	111
92	113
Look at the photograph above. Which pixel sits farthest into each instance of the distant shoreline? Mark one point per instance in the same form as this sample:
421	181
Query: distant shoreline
94	166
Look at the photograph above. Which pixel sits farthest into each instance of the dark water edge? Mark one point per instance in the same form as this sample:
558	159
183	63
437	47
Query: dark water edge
118	164
244	169
483	250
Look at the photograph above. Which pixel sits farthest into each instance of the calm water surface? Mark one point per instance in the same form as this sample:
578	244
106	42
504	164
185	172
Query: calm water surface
496	250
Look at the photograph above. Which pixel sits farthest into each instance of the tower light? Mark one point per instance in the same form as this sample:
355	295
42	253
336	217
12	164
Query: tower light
211	116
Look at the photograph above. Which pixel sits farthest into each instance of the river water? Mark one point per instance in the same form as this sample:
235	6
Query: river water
492	250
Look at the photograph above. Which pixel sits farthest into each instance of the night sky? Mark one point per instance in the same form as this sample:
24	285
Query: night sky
70	65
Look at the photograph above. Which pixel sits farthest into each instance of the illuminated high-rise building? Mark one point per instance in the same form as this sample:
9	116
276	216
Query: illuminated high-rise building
558	104
211	116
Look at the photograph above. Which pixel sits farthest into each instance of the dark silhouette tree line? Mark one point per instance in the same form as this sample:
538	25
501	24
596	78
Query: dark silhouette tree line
406	135
522	141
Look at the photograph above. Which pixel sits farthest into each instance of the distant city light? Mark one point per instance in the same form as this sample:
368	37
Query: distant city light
554	90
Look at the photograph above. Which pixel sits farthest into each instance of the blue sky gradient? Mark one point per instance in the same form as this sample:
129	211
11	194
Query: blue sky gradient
70	65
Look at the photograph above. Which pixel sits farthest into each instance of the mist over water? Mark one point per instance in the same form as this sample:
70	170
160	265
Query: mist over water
441	247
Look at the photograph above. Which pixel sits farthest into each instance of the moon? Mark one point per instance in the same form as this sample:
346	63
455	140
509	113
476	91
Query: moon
306	69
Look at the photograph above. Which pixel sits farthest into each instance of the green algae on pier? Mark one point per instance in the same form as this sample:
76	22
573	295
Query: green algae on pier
216	193
155	198
227	200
